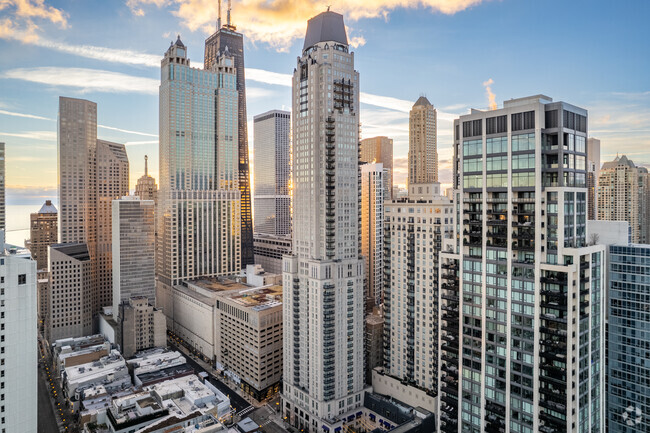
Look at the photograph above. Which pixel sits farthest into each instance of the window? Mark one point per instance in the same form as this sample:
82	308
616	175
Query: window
22	279
522	142
551	119
497	145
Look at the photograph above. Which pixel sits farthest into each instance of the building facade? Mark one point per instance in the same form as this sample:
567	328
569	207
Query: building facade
624	195
70	296
593	173
19	340
415	230
521	293
423	143
379	149
133	249
323	278
198	216
272	173
43	232
269	250
374	192
140	326
3	213
226	37
146	187
91	174
628	373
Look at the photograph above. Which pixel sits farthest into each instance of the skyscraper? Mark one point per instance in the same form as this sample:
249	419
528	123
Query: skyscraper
521	295
423	142
272	173
624	195
3	172
374	191
416	227
146	187
628	373
323	278
593	173
379	149
19	338
91	174
133	251
43	232
224	38
198	221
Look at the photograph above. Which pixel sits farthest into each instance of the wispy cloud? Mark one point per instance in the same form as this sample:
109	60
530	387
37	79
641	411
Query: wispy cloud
32	135
86	80
139	143
127	131
280	22
27	116
123	56
21	17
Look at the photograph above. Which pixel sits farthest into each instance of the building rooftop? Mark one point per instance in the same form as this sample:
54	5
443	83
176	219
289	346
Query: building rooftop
155	361
422	102
77	251
325	27
256	298
96	370
48	207
217	284
618	161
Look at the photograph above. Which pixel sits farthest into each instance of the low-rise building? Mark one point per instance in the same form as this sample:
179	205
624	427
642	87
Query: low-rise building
69	352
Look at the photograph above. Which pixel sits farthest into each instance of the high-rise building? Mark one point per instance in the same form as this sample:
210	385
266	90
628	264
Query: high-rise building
423	142
269	250
70	298
146	187
18	393
139	326
416	227
3	216
593	173
226	37
272	171
323	278
198	214
92	173
374	191
133	250
379	149
43	232
522	294
628	405
624	195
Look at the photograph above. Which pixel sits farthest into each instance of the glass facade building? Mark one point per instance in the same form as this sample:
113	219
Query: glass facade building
629	339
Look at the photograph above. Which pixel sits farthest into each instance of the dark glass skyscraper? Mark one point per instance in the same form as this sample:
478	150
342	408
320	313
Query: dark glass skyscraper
226	36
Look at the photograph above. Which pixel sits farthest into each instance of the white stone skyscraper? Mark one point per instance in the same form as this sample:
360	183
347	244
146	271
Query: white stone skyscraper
198	221
272	171
521	344
323	278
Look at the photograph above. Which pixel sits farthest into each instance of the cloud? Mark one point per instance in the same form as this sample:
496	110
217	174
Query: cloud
280	22
268	77
123	56
86	80
128	131
32	135
19	23
27	116
138	143
492	99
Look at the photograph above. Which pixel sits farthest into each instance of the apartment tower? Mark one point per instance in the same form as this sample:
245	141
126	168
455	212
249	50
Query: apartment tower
323	278
593	173
624	195
272	172
379	149
226	37
423	143
3	215
521	345
198	220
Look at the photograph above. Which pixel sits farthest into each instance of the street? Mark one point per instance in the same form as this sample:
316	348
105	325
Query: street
46	419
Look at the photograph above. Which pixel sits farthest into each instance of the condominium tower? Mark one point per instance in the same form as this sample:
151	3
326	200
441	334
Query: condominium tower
272	172
423	142
226	37
198	219
3	215
323	278
522	326
624	195
18	340
374	191
91	174
628	339
379	149
43	232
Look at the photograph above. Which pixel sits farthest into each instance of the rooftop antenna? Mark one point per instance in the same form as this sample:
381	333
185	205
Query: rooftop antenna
328	7
228	16
219	19
145	165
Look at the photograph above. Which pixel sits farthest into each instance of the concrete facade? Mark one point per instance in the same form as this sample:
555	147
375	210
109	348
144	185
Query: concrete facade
269	251
379	150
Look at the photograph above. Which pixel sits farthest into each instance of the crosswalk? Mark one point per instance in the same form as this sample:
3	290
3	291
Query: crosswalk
246	410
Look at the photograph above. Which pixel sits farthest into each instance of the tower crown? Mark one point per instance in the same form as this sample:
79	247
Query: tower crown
325	27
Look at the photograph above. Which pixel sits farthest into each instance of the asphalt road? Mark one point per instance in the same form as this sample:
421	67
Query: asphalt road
46	420
236	401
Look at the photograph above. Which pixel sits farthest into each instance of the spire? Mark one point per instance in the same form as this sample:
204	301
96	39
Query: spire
219	15
228	16
145	165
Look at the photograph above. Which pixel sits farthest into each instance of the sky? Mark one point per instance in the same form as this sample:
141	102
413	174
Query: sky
458	53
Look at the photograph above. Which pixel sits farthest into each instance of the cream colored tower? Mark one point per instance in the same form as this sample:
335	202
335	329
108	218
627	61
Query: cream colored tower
379	149
423	142
146	187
